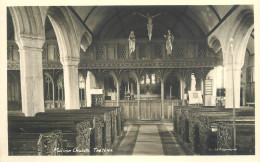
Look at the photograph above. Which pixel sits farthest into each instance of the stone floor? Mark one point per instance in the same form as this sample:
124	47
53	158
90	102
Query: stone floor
149	139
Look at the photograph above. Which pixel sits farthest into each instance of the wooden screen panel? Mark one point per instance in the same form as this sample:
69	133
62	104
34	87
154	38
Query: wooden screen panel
150	109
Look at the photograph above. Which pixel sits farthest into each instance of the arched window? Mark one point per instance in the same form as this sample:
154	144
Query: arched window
60	86
153	79
147	79
49	97
82	87
13	92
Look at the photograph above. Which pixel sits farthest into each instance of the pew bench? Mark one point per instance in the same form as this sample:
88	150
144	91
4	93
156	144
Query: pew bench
189	121
76	133
102	123
245	138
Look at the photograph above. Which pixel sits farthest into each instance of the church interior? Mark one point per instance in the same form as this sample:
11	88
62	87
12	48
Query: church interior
131	80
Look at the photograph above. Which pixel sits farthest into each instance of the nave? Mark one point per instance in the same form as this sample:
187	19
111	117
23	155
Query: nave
78	87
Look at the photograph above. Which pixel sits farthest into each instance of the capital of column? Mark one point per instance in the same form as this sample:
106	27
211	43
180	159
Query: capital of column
69	61
30	42
236	66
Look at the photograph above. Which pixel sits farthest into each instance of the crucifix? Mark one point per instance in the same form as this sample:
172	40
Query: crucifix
150	22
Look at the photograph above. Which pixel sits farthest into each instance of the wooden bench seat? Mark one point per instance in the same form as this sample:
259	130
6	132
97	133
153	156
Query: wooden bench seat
245	138
119	112
194	125
102	123
32	144
77	133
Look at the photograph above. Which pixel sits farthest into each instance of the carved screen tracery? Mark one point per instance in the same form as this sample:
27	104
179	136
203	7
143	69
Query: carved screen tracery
157	51
178	50
100	53
202	51
142	52
121	51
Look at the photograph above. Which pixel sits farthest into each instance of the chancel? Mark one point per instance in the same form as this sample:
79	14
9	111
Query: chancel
87	80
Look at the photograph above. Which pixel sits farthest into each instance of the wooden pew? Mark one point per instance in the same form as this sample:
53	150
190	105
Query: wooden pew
245	138
196	120
207	123
32	144
76	134
102	123
118	113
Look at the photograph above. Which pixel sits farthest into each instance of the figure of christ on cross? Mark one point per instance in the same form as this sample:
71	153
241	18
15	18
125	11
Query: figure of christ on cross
150	22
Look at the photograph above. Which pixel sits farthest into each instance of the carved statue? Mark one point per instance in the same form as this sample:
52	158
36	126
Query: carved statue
193	82
150	22
131	41
169	41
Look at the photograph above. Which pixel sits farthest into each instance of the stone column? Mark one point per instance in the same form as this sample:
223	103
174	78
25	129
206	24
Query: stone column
31	75
228	84
138	98
162	98
71	83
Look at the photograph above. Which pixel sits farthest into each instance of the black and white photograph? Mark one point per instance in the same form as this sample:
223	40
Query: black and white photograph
129	80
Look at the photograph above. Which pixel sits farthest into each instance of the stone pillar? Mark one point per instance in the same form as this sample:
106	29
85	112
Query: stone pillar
162	98
138	99
31	75
71	83
228	84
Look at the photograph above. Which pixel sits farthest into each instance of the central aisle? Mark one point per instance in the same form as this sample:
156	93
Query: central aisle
148	141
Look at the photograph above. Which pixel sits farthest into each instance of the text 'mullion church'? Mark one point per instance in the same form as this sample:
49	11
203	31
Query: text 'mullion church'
131	80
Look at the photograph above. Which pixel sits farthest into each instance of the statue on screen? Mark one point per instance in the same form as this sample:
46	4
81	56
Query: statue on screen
193	82
131	41
150	22
169	42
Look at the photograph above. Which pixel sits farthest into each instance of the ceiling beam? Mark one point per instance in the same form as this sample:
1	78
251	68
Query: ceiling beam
223	19
78	17
187	26
89	14
215	12
183	12
108	20
190	19
120	21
